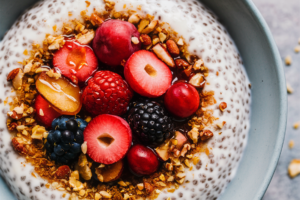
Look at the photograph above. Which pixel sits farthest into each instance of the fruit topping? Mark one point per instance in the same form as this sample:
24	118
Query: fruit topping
111	172
75	61
147	75
162	53
64	145
142	160
150	122
182	99
108	138
106	93
113	41
45	114
60	93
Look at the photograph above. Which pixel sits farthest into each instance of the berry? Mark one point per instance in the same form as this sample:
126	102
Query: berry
76	62
182	100
150	122
64	145
72	125
45	114
108	138
113	41
78	136
106	93
142	160
67	136
147	75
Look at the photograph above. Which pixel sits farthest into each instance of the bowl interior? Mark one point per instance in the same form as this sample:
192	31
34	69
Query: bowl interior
263	66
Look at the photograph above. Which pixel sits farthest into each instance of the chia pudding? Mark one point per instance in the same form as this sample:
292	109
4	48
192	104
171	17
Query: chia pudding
181	46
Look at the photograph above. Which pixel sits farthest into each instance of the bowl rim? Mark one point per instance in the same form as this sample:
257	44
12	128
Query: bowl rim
257	16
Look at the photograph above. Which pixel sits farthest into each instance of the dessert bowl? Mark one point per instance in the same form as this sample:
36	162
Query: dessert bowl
268	111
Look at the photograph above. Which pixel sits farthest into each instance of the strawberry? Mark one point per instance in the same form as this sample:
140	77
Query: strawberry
108	138
147	75
75	61
44	112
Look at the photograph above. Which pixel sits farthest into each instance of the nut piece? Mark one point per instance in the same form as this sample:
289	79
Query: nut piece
96	20
206	135
63	172
105	194
12	74
197	80
38	132
288	60
193	135
198	64
17	79
221	124
84	169
181	64
294	168
86	38
289	88
140	186
84	147
19	145
53	74
135	40
148	187
180	42
185	149
143	24
150	27
223	106
164	55
145	39
134	19
172	48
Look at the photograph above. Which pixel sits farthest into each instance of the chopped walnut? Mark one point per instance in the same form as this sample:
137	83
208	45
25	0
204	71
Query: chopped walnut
221	124
180	42
185	149
140	186
206	135
193	135
74	181
55	43
198	64
143	24
38	132
17	81
150	27
53	74
105	194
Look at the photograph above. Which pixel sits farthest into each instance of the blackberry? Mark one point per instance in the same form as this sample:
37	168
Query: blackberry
64	141
150	122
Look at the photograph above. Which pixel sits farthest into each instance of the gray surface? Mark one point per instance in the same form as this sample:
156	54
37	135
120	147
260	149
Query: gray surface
283	18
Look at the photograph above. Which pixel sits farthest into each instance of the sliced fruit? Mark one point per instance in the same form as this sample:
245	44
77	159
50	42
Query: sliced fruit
182	99
147	75
74	59
108	138
60	93
181	140
45	113
142	160
110	172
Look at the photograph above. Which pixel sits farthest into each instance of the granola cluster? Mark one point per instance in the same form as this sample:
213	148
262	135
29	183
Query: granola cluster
29	136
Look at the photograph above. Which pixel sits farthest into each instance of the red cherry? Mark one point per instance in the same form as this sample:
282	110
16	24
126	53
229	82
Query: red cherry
182	100
142	160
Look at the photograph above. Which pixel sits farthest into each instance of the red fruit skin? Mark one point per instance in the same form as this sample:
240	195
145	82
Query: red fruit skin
60	61
182	100
143	83
142	160
112	43
106	93
117	128
49	113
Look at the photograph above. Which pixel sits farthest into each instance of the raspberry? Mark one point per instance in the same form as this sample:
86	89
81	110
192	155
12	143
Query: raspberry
106	93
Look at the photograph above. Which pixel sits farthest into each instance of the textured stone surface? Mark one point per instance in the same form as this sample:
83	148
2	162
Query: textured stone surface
283	19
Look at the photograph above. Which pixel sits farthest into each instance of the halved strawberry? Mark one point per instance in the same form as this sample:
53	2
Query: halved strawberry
147	75
108	138
75	61
44	112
